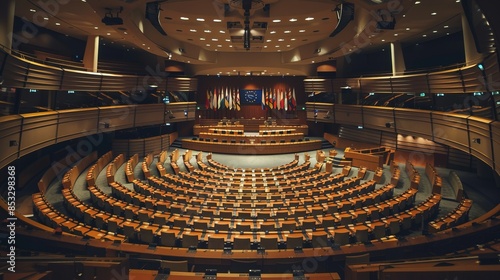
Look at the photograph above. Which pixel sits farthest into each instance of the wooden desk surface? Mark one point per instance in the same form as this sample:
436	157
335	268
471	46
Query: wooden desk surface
150	275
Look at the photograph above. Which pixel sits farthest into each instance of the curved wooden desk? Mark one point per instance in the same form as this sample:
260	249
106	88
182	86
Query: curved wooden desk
251	148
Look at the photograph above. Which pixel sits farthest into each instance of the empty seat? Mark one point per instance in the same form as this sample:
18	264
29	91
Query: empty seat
146	235
341	237
288	225
269	242
167	238
241	243
189	239
320	239
294	241
215	242
362	235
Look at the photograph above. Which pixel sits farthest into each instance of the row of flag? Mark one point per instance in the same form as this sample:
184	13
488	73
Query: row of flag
270	98
279	99
223	98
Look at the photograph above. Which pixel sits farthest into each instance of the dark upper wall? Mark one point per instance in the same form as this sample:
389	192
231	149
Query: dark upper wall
440	52
365	62
28	37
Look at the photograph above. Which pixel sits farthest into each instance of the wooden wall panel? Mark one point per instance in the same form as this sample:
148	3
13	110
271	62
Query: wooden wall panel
87	120
152	145
39	131
349	115
445	82
15	72
451	130
136	146
116	117
323	111
479	139
377	85
180	112
11	131
121	82
81	81
378	117
413	122
410	84
43	77
150	114
495	133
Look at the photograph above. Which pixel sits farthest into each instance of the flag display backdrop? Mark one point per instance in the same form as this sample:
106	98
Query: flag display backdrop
250	97
269	98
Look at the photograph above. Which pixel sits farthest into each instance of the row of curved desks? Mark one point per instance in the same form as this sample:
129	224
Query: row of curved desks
251	148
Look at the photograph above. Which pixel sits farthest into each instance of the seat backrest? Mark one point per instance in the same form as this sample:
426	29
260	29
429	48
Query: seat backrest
241	243
269	242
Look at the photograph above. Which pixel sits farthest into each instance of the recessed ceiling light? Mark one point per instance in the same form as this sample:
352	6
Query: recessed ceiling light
215	39
287	46
222	31
276	20
200	19
202	39
287	31
383	40
281	40
33	10
435	31
46	18
184	18
217	20
277	46
219	46
84	1
302	31
272	32
404	15
230	46
108	33
309	18
265	47
424	35
57	23
457	1
407	28
446	26
396	34
313	61
417	2
95	27
293	19
228	40
447	33
207	31
125	33
208	45
433	13
192	30
268	40
293	39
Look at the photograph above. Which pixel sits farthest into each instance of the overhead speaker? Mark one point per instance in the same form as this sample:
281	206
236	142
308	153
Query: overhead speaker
153	15
107	20
345	14
385	20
